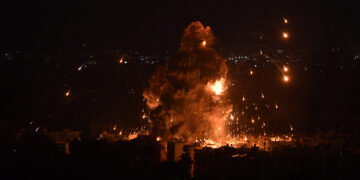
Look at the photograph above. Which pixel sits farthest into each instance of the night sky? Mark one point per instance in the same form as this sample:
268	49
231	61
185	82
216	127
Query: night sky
156	26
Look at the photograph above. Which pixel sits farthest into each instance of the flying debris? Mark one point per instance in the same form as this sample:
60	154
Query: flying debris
285	20
286	78
121	60
286	69
67	93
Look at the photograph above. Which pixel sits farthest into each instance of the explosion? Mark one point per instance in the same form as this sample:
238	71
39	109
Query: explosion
187	97
218	86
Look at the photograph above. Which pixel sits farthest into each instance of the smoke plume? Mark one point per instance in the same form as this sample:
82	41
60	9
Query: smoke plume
187	97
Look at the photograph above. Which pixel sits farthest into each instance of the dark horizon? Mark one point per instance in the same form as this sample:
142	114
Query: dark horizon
180	90
154	27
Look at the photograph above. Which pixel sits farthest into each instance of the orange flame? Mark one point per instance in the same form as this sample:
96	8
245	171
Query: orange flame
218	86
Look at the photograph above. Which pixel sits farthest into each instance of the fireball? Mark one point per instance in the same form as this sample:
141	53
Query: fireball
218	86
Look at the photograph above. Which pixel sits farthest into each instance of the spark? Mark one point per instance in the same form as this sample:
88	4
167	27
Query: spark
37	129
252	120
158	139
285	35
251	72
291	128
286	78
231	117
67	93
114	128
262	95
144	116
203	43
286	69
285	20
218	86
243	99
120	133
276	106
261	52
121	60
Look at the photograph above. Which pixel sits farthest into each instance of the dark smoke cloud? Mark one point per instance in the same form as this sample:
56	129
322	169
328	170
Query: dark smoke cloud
179	98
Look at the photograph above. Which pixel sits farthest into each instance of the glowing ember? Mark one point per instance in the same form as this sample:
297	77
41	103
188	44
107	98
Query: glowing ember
132	136
203	43
218	86
121	60
285	21
285	35
251	72
286	78
67	93
231	117
158	139
286	69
